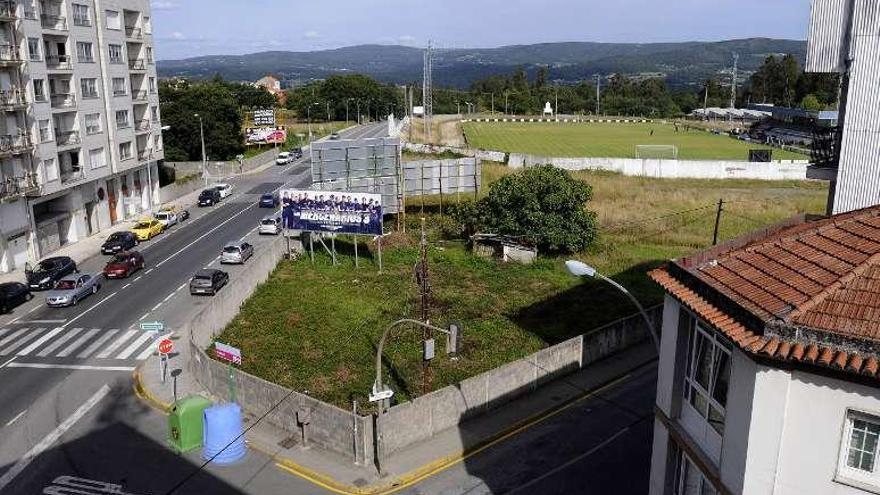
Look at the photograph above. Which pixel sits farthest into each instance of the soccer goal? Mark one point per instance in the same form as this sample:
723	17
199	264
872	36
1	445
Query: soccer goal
657	151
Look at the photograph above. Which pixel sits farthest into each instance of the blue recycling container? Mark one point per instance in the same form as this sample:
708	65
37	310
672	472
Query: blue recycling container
222	425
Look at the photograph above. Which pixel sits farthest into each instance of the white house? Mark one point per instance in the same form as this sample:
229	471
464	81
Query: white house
768	375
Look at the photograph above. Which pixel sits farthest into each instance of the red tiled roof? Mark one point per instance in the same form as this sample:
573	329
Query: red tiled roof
807	293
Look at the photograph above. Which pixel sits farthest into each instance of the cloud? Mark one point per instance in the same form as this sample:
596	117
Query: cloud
163	5
177	35
406	39
310	35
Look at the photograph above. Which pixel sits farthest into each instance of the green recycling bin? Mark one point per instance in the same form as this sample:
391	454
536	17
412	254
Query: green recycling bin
186	423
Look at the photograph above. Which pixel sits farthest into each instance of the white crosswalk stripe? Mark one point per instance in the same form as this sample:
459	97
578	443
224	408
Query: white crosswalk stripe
76	343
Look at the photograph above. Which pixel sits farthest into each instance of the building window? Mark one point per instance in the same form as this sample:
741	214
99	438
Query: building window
89	87
152	85
50	169
96	158
34	48
122	119
861	440
84	52
707	373
81	15
154	113
93	123
45	130
115	54
39	90
125	150
689	480
113	21
119	87
149	54
148	25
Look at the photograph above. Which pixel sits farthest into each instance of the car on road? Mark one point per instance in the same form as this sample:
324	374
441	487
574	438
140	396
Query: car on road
147	228
209	197
72	289
208	281
48	272
236	252
283	158
270	225
224	189
13	294
119	241
124	264
297	153
269	200
167	218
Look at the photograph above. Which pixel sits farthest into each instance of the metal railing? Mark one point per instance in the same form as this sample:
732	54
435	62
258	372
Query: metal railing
68	138
137	64
12	97
145	155
134	32
72	175
8	11
26	185
138	95
143	125
9	53
119	92
59	62
50	21
63	100
11	144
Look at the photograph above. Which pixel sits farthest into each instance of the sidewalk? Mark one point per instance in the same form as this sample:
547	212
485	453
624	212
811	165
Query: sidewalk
414	464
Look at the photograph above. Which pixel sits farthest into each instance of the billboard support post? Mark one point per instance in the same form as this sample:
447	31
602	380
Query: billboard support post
333	248
379	244
356	260
312	246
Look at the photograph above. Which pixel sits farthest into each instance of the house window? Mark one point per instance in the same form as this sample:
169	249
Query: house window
859	452
34	48
84	52
45	130
115	54
113	21
119	86
81	15
122	119
39	90
89	87
125	150
96	158
707	374
689	480
93	123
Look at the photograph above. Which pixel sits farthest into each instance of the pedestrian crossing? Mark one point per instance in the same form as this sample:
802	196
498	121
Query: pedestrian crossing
76	343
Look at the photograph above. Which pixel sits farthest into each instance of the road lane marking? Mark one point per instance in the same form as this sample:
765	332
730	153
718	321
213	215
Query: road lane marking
78	367
148	271
42	340
182	286
14	335
16	418
58	343
146	353
206	234
116	344
88	310
97	344
4	330
44	321
7	363
27	338
78	342
138	278
52	437
126	286
138	342
156	307
169	296
142	318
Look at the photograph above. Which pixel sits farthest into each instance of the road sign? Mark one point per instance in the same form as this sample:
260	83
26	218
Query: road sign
377	395
227	353
165	346
152	326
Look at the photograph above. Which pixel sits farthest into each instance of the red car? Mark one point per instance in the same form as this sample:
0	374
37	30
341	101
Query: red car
124	264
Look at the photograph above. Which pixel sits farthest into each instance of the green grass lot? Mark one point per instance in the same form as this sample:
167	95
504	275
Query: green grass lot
607	140
314	327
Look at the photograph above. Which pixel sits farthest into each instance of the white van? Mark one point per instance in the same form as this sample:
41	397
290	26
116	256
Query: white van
283	158
270	225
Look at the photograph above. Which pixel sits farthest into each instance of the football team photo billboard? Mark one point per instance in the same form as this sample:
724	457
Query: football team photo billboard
338	212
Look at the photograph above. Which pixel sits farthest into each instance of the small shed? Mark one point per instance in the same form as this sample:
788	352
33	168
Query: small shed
504	247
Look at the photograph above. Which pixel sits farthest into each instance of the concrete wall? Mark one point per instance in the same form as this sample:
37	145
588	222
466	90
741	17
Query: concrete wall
412	422
218	170
673	169
492	156
175	190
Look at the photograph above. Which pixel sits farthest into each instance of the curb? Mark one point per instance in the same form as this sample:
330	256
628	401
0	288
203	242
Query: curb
145	395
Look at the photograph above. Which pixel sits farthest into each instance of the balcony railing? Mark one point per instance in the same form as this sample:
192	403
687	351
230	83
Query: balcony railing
14	144
63	100
59	62
50	21
9	53
134	32
119	92
14	187
145	155
8	11
137	64
11	98
72	175
69	138
139	95
143	125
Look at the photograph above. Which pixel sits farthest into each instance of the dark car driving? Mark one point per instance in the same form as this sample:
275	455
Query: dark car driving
208	281
119	242
48	272
269	200
209	197
13	294
297	153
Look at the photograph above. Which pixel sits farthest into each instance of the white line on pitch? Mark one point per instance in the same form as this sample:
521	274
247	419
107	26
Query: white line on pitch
52	437
79	367
16	418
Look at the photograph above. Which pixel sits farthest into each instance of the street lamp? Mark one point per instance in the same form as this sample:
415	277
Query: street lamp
204	156
581	269
309	114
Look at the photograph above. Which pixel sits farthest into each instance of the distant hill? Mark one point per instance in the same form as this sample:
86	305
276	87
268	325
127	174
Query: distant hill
683	64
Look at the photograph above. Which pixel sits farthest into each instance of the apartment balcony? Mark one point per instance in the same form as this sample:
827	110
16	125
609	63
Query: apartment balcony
67	139
145	155
142	126
56	22
8	11
9	55
13	188
12	100
14	144
59	63
134	32
139	96
72	175
137	64
63	101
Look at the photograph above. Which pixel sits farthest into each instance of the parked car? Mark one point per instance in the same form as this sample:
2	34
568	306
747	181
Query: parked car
147	228
224	189
283	158
297	153
48	272
334	136
124	264
72	289
208	281
119	241
236	252
209	197
269	200
177	210
167	218
270	225
13	294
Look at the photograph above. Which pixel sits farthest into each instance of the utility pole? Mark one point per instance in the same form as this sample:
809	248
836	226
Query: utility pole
717	221
598	86
493	104
204	156
423	279
427	90
706	102
733	80
556	103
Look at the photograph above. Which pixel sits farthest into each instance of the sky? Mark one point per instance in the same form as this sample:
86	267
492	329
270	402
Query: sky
189	28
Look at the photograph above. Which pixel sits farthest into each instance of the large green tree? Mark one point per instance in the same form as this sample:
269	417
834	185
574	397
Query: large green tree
329	98
216	105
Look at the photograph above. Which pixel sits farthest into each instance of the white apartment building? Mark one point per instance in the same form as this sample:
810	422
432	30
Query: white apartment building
80	134
769	372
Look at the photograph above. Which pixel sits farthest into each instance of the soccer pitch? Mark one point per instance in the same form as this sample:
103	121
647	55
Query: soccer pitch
611	140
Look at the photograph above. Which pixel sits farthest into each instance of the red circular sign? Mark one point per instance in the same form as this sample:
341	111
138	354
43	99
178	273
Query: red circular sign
165	346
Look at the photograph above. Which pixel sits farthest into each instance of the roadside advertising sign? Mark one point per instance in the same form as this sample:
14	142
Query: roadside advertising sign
264	117
339	212
227	353
265	135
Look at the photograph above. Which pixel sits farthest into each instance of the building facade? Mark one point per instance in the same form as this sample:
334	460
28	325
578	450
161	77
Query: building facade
81	133
769	379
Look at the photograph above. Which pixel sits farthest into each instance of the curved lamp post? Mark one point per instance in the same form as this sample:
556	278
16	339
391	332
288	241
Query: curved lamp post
581	269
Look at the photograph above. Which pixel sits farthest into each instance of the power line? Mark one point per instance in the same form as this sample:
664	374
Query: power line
633	223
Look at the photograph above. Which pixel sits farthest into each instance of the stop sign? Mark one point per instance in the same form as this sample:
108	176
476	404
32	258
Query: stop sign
165	346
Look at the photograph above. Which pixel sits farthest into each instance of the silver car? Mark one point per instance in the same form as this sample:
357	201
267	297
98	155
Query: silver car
236	252
72	289
270	225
